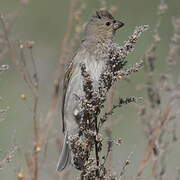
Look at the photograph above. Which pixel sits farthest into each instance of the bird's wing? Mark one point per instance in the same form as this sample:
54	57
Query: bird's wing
67	77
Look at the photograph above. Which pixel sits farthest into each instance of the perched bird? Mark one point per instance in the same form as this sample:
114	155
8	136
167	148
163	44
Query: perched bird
100	29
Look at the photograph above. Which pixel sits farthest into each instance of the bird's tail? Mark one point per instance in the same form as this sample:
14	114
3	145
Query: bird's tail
65	157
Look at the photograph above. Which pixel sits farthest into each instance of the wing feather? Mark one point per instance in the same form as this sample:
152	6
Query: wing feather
67	77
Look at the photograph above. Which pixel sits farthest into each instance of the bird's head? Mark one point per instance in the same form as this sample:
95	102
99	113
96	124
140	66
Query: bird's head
102	26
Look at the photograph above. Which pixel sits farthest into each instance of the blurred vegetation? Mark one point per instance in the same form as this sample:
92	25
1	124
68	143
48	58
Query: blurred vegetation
45	22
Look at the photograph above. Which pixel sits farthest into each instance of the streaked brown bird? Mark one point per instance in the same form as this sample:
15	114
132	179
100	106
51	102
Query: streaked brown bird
100	29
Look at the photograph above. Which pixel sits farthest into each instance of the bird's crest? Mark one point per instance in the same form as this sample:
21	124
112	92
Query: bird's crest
104	14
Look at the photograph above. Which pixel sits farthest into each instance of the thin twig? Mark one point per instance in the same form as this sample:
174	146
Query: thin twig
96	148
125	164
36	137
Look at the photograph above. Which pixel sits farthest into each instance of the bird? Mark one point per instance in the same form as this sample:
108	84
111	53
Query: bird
100	29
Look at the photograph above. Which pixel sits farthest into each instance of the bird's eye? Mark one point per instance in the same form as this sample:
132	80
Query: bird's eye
114	21
108	24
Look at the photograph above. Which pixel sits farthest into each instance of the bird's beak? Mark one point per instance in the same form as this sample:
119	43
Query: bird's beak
118	24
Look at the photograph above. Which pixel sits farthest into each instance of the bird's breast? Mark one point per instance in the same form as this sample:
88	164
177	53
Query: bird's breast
94	66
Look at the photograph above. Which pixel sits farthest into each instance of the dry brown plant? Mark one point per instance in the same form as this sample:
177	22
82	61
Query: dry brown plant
158	113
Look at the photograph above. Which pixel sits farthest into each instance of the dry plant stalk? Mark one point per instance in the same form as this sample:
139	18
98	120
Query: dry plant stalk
3	114
33	84
158	115
8	157
93	102
174	47
6	23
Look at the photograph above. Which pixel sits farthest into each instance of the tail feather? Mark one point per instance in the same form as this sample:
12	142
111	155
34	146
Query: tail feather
65	157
